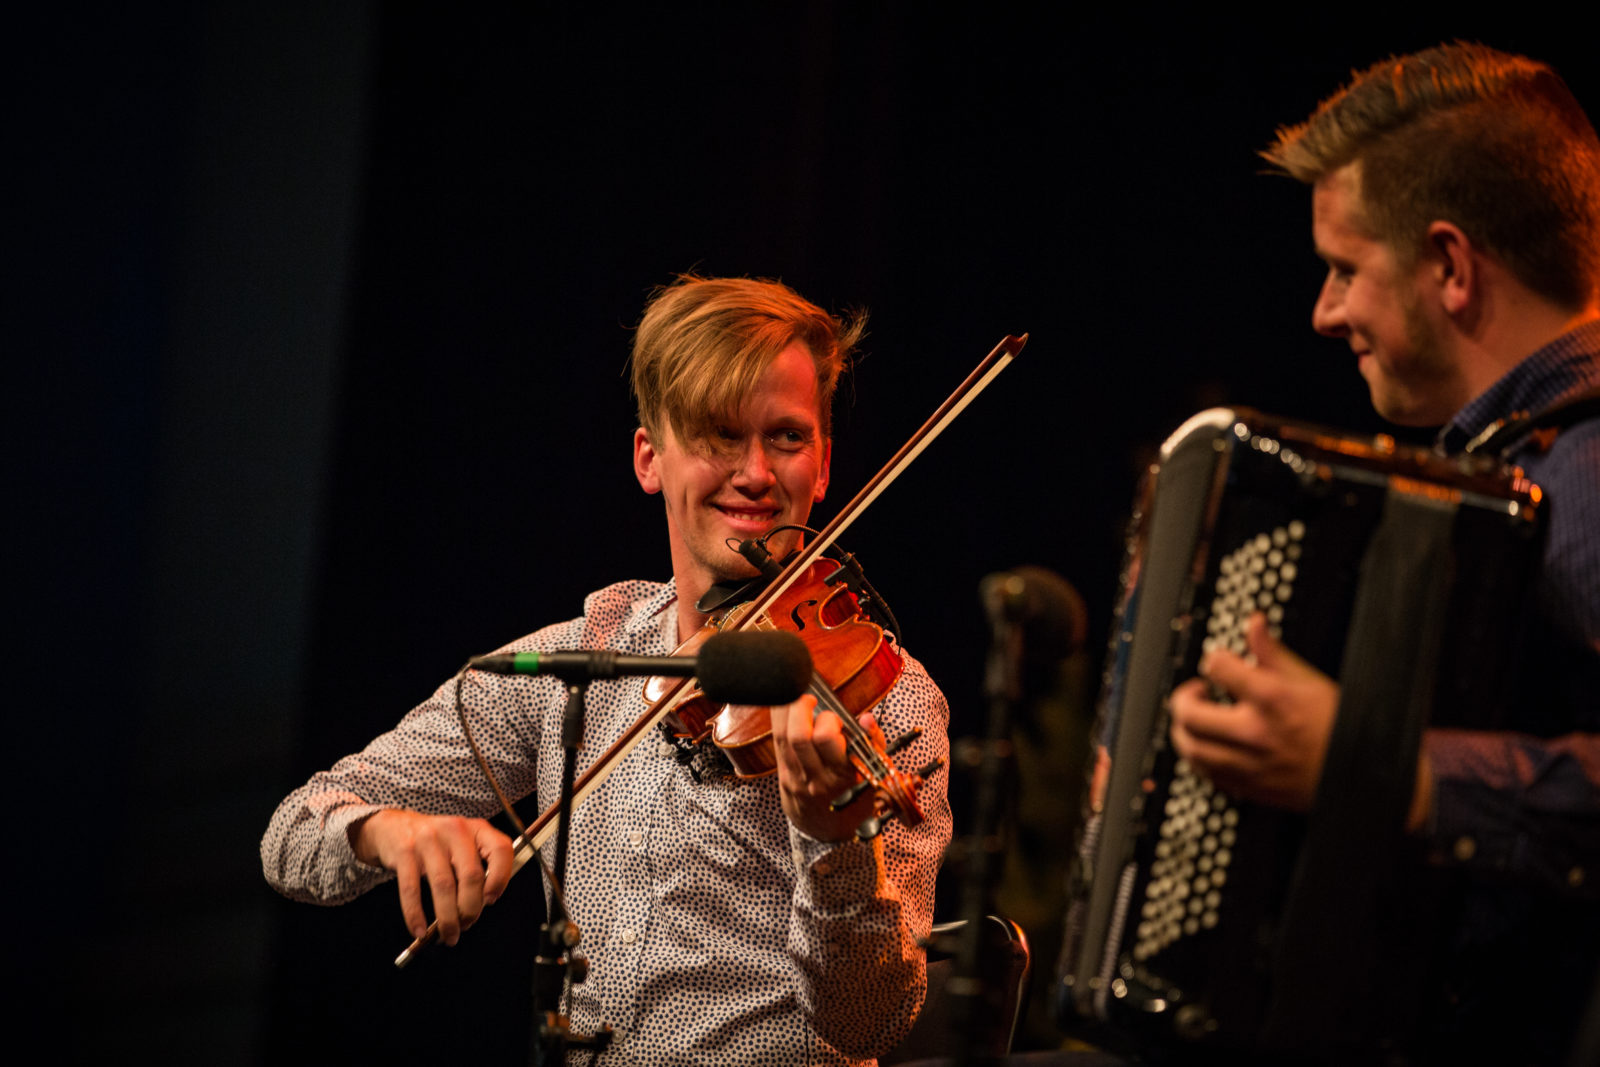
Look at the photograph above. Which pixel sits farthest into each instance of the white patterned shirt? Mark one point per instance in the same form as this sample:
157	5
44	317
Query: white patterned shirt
716	932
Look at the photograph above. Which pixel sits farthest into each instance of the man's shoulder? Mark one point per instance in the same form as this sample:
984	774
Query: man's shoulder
912	667
1565	458
631	603
1558	371
1548	376
612	615
915	699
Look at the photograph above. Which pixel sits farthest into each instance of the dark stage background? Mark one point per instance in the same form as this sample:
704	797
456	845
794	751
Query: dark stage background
321	315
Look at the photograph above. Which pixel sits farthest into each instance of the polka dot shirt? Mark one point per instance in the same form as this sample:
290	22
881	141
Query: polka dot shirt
716	932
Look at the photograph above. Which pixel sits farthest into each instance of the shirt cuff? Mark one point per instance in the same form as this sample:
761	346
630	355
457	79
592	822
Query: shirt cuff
350	873
1511	805
837	874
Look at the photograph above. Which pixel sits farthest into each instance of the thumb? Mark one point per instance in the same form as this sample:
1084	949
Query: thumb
1270	653
870	722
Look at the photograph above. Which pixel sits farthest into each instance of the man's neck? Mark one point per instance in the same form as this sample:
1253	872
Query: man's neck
1512	325
690	621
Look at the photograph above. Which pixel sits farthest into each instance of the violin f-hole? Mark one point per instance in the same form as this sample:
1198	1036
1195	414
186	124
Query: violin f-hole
799	623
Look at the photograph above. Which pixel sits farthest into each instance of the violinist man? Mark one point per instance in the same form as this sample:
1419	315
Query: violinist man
1456	202
724	923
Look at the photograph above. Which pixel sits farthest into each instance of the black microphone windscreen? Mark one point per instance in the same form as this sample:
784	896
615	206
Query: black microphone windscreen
1057	621
754	667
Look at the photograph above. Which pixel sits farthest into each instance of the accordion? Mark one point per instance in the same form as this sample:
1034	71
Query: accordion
1200	921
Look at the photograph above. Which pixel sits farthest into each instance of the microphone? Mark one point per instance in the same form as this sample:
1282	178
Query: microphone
1037	620
1044	603
745	667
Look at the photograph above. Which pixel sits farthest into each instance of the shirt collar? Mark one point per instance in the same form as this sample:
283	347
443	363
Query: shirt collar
648	612
1565	365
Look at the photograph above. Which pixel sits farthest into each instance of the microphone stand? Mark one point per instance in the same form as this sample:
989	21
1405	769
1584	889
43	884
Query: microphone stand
975	963
556	963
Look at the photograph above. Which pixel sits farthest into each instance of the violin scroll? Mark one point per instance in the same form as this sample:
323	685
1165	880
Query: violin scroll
897	796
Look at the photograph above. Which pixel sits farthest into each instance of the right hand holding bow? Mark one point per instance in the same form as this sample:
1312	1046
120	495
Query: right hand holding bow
450	851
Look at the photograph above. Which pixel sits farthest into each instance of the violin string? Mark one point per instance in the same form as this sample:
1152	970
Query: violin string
857	739
866	751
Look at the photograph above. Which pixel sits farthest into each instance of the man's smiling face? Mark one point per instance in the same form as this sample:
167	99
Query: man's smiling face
766	467
1377	303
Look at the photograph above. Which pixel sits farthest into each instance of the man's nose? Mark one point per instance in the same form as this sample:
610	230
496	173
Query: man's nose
754	472
1327	314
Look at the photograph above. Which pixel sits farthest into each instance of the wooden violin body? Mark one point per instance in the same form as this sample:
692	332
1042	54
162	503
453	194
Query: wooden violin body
852	655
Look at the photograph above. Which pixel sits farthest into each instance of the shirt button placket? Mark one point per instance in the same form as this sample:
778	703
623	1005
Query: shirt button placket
631	915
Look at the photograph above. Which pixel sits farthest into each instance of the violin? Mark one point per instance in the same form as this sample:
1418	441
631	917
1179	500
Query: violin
895	790
855	665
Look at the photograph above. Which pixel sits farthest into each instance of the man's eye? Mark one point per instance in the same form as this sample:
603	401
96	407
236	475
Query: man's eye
789	440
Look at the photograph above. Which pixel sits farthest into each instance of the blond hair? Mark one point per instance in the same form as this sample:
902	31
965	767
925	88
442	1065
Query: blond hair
704	343
1492	142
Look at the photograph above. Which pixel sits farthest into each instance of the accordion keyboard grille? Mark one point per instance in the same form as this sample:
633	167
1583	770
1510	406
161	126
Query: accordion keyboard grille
1200	824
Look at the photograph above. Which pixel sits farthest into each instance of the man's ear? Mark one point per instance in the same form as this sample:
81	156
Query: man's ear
1452	266
644	462
822	472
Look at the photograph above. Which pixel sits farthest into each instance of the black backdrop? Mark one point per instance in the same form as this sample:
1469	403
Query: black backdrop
322	315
